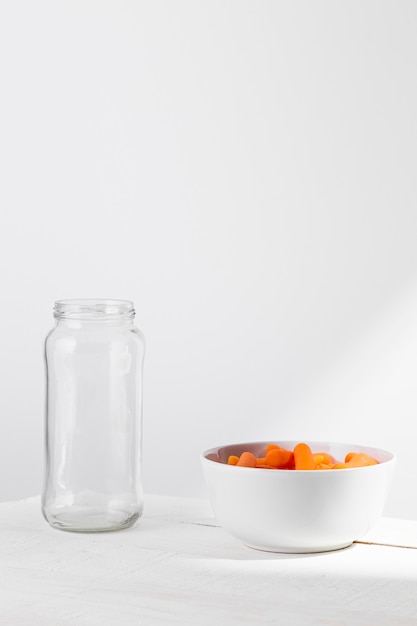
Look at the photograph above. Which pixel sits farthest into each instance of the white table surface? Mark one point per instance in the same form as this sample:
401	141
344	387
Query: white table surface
177	566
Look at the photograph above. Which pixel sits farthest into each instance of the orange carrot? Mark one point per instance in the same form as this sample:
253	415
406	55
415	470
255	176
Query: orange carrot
303	457
325	466
279	458
247	459
322	457
358	459
318	459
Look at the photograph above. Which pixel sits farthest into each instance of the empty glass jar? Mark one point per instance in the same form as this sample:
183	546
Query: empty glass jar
94	358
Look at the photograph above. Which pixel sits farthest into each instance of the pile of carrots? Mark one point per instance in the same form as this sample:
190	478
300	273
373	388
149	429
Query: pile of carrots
301	458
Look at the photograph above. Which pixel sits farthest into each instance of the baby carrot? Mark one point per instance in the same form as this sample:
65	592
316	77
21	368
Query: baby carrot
324	466
247	459
303	457
322	457
357	459
279	458
318	459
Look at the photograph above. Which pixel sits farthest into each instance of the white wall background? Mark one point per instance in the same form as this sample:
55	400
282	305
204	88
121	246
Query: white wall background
245	171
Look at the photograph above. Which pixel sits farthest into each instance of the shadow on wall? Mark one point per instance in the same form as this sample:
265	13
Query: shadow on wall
367	393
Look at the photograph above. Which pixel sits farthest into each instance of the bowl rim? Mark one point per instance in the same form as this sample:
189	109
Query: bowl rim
204	456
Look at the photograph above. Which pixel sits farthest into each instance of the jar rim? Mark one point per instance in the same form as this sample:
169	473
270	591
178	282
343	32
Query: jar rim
93	308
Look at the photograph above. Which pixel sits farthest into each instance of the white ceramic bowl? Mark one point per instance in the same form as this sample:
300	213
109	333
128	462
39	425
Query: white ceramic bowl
297	510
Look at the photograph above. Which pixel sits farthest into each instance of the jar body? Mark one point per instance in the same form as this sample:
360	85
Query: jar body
94	360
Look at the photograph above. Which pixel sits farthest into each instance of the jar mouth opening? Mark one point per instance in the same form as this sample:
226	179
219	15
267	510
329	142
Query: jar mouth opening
93	309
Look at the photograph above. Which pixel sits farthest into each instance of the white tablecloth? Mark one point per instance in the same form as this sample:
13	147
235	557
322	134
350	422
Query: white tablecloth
177	566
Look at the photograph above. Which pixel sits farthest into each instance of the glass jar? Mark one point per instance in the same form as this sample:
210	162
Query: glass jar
94	358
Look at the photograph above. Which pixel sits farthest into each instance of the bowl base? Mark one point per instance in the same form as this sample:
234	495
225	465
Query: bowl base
301	550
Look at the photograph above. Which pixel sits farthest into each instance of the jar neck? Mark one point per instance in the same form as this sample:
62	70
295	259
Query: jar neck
90	310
